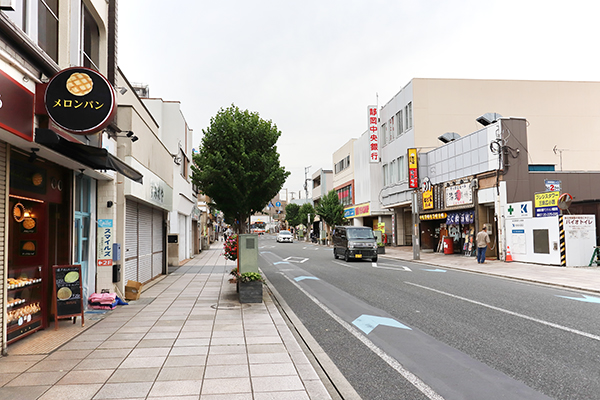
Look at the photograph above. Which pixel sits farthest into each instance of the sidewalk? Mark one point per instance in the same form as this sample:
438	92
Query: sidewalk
187	337
581	278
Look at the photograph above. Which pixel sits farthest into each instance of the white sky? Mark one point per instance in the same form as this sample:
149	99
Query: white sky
313	67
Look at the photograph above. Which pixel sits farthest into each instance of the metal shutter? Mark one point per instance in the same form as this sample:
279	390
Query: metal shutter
157	243
182	237
131	241
144	243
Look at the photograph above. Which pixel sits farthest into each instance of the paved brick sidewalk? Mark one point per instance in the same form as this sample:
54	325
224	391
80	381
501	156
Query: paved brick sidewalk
188	337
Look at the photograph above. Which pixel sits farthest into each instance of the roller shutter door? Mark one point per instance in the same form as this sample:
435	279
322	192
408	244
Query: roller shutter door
158	241
144	243
131	241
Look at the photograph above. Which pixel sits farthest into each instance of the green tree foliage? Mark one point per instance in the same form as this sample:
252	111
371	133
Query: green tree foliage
305	211
237	165
291	214
330	210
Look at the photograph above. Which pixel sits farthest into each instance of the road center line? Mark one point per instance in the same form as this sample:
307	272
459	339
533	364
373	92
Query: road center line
388	266
551	324
392	362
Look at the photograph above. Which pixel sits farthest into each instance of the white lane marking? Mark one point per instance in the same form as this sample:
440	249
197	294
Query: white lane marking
300	260
388	266
551	324
344	264
409	376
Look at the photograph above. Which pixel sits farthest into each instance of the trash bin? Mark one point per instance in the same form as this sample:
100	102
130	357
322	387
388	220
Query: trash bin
448	245
116	273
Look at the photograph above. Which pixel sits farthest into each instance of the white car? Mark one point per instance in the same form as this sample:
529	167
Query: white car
285	236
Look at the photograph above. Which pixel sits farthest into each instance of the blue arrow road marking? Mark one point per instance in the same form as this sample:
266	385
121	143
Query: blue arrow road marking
367	323
587	299
301	278
435	270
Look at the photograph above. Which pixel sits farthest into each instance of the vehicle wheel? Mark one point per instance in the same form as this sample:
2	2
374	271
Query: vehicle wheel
374	259
346	256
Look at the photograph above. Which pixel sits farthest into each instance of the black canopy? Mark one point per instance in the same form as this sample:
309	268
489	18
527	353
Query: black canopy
93	157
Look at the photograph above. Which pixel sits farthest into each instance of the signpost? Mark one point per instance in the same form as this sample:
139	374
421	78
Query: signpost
546	204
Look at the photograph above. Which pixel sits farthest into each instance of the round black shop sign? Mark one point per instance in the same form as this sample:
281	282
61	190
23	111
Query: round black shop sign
80	100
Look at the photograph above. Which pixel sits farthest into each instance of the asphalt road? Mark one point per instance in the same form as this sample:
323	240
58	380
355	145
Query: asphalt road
403	330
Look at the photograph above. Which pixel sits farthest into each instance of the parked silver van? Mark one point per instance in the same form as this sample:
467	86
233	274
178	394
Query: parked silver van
354	242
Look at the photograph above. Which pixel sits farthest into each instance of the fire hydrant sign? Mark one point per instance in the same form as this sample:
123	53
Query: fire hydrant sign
105	242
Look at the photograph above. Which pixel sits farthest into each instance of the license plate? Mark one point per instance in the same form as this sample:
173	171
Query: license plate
358	256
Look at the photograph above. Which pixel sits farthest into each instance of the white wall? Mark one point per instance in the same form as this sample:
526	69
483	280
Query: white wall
519	237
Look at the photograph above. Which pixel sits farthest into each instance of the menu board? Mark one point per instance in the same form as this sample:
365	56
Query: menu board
68	301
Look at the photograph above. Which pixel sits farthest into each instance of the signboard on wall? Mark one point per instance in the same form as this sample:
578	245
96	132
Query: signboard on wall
546	204
519	210
16	107
373	134
428	199
413	174
459	195
105	242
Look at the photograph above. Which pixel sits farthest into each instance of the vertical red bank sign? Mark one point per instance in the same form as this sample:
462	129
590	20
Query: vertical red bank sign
373	134
413	175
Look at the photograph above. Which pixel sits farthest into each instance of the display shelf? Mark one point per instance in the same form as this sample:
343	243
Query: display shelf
25	301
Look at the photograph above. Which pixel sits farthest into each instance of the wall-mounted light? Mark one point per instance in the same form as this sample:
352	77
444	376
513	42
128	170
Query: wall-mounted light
109	204
121	89
128	134
33	156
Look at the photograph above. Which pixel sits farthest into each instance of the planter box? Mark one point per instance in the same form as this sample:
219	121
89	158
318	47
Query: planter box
381	250
251	292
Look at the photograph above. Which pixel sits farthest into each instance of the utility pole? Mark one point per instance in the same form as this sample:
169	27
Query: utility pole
306	169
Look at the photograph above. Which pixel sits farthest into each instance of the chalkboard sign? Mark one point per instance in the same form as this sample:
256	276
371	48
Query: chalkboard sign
68	301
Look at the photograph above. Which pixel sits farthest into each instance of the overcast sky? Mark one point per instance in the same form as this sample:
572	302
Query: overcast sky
313	67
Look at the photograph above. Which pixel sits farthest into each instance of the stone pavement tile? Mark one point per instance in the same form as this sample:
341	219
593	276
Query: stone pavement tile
161	335
134	329
7	377
181	374
91	345
227	359
275	339
128	336
143	362
54	365
160	329
228	349
227	385
7	366
129	390
122	375
299	357
190	351
90	337
195	397
150	352
26	358
236	396
266	348
23	392
118	344
100	363
177	388
316	389
69	355
226	371
307	372
185	361
268	358
224	341
71	392
298	395
85	377
272	369
192	342
155	343
276	383
195	334
109	353
36	379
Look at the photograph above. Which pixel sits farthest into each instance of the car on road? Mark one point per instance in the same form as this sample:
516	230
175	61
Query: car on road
354	242
285	236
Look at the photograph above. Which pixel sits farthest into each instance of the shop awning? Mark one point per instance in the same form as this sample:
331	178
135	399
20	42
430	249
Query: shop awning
93	157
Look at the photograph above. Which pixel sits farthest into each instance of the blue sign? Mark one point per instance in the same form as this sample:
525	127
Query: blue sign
547	211
517	231
349	212
278	204
105	223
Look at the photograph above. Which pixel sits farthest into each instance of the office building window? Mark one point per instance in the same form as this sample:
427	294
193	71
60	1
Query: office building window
409	118
399	120
383	136
342	165
91	41
345	195
385	175
402	168
48	27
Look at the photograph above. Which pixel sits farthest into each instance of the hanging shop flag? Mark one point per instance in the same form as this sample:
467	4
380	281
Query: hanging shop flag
373	134
413	175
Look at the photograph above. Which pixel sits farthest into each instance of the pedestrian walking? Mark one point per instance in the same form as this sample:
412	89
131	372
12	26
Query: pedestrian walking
483	242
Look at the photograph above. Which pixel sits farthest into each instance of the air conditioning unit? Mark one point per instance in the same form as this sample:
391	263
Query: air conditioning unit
488	118
8	5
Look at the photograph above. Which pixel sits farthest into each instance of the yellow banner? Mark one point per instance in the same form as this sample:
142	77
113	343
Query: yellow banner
412	158
546	199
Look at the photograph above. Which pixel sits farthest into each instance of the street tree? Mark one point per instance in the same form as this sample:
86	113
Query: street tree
331	211
237	164
291	214
306	215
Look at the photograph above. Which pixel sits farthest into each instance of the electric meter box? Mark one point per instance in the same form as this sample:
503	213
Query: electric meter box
248	253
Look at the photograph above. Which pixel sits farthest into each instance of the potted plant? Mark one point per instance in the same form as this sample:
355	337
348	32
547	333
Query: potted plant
380	248
250	287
